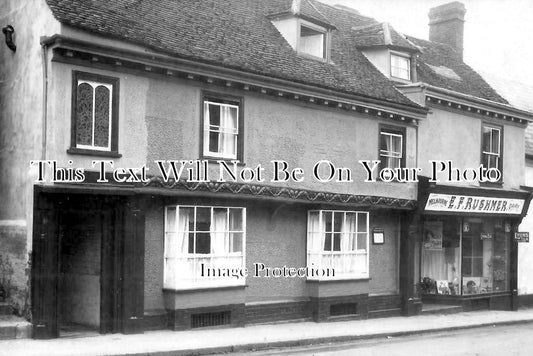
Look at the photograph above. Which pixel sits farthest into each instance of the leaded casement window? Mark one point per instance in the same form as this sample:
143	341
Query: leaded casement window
338	240
492	147
400	67
391	147
95	113
222	127
204	246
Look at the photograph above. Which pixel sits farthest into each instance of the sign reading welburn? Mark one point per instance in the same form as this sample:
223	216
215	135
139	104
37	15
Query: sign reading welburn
473	204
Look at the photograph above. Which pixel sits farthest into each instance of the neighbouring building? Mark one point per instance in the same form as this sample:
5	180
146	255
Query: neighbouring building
230	87
520	95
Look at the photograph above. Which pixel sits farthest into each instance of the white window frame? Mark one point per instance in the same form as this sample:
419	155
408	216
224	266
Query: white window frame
493	153
94	85
208	128
396	70
325	42
193	260
390	153
318	258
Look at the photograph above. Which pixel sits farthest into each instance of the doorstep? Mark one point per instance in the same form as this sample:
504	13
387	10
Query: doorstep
430	308
14	327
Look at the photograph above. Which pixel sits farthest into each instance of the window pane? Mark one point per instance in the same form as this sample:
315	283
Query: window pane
361	222
361	241
312	42
336	241
203	219
203	243
327	220
495	141
486	139
328	241
384	142
84	115
400	67
229	118
102	101
338	220
397	145
214	114
236	241
227	144
171	219
312	225
236	219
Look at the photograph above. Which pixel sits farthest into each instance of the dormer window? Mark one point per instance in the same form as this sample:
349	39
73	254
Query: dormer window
313	40
400	67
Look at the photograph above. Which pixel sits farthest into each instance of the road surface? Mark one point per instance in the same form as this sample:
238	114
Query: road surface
489	341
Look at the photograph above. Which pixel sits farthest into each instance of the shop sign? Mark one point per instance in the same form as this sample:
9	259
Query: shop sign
521	236
473	204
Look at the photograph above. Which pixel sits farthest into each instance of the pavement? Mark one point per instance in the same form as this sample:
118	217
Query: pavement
257	337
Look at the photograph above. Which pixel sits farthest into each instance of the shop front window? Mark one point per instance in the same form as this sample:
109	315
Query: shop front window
465	256
485	256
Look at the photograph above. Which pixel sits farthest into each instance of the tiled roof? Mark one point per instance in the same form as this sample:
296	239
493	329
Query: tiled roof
381	34
519	95
238	34
441	66
235	34
302	8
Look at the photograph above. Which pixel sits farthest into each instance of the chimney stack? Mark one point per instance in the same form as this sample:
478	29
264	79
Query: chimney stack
446	25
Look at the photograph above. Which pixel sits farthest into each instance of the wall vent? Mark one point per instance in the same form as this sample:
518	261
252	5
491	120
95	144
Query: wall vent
210	319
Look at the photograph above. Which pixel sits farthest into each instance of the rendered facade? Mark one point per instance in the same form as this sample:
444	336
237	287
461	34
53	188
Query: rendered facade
315	88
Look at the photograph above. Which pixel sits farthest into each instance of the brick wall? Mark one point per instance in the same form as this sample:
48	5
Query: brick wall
270	312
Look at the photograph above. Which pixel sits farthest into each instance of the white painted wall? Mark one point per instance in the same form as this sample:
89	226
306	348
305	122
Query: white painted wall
525	250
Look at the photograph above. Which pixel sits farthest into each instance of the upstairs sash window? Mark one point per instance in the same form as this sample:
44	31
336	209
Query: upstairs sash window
491	149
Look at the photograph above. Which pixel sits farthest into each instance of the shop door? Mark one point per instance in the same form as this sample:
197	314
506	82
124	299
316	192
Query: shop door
45	272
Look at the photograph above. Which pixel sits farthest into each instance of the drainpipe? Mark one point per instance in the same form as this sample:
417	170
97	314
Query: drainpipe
44	52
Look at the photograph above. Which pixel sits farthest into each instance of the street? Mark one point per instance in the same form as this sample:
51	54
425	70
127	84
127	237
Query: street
489	341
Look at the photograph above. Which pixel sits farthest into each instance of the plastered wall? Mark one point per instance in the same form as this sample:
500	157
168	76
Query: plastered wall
160	118
21	104
463	146
276	235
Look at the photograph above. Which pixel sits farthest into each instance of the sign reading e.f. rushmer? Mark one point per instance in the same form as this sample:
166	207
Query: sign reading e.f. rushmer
473	204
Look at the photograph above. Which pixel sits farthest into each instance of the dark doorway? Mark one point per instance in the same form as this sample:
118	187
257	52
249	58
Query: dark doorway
87	272
80	272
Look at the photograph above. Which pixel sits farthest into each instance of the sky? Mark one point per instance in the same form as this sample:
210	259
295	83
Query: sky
498	33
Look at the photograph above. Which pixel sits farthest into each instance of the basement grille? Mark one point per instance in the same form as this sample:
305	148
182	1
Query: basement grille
210	319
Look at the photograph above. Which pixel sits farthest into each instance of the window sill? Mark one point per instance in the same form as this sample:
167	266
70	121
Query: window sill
334	280
312	57
204	289
491	184
86	152
214	160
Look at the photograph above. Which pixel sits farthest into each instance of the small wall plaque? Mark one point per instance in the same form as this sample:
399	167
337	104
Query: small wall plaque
378	236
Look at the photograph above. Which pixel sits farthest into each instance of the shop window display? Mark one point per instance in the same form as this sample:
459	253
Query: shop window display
465	256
